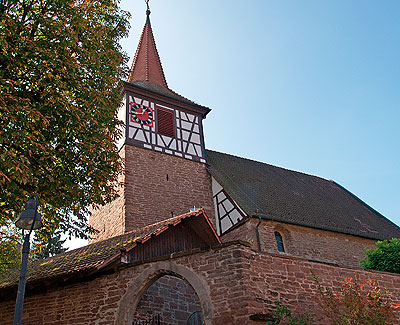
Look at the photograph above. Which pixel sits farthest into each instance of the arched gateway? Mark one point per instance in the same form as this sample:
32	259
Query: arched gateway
134	293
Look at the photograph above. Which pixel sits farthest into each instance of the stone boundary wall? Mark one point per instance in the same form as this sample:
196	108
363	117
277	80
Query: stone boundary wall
215	274
288	279
231	280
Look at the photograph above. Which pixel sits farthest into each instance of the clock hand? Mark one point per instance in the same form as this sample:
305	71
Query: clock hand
137	113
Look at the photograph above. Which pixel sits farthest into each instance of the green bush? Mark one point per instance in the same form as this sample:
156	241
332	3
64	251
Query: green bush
385	257
283	313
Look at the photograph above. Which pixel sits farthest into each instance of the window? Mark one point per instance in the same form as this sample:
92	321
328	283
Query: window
165	122
279	241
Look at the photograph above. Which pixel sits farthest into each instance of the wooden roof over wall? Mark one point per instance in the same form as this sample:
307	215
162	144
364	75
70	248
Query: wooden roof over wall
180	233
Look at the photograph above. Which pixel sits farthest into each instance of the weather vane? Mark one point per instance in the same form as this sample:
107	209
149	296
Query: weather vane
148	8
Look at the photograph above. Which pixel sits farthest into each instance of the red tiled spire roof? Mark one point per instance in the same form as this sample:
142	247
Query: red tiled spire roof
147	72
146	65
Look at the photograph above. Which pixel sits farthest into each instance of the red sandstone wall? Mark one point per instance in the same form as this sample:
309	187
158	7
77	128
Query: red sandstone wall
151	196
148	196
317	245
313	244
97	301
109	220
238	280
171	298
289	280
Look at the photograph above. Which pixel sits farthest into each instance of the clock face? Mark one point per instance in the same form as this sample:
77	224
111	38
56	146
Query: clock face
141	114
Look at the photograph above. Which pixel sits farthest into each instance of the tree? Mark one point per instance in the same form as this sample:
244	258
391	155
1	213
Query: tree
60	71
53	246
10	255
385	257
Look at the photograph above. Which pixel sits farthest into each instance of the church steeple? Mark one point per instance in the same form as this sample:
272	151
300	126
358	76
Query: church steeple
163	150
146	66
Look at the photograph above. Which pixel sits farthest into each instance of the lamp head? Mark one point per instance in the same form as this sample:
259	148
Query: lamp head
27	216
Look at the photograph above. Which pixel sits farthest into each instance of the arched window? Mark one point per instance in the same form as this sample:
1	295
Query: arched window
279	241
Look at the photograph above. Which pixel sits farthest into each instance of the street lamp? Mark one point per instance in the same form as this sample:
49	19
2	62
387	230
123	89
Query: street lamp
29	219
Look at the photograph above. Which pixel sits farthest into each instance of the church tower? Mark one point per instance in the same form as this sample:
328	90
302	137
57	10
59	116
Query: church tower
163	150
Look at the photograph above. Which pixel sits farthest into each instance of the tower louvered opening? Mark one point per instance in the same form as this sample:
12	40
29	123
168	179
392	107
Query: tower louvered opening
165	122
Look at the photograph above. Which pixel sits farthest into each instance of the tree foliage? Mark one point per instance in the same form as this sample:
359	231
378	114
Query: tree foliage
60	71
52	246
10	255
385	257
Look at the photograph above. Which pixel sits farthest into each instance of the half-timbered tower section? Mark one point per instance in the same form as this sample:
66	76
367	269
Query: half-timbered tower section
163	150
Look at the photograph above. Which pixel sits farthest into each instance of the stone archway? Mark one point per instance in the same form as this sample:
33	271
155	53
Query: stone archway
169	300
133	295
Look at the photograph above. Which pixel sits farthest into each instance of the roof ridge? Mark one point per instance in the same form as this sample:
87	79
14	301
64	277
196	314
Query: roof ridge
366	204
274	166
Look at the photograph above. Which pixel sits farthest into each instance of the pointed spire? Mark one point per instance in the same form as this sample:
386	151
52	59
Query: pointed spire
146	65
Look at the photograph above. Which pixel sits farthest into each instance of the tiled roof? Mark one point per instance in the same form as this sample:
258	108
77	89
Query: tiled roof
91	257
292	197
147	72
161	90
146	64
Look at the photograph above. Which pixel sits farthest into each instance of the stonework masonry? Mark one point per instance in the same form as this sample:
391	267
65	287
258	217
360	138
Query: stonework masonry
158	185
231	280
313	244
170	298
109	220
155	186
289	280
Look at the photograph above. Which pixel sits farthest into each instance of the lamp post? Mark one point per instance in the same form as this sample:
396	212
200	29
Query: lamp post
29	219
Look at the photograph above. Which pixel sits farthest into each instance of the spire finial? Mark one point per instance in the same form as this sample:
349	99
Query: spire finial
148	12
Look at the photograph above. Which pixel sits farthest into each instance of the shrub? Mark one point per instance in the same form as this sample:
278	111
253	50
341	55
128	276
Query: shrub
360	302
282	312
385	257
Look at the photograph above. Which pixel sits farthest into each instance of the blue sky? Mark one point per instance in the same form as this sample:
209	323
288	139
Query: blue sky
311	86
308	85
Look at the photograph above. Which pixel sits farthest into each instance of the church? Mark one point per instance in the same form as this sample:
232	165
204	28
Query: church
198	236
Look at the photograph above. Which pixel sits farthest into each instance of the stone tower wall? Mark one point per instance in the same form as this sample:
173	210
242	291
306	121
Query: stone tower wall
109	220
152	187
158	185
